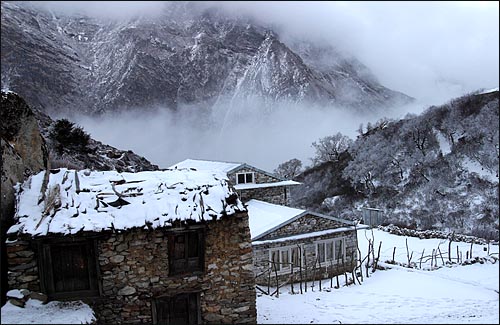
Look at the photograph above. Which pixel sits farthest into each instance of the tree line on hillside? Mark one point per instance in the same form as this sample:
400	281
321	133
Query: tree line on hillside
437	170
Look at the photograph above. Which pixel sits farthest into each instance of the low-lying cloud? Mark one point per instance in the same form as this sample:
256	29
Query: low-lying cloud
242	134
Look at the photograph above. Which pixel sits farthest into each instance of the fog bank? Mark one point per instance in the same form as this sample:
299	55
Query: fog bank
263	139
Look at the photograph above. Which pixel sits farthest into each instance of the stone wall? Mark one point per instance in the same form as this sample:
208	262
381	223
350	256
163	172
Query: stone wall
134	269
310	269
260	178
22	265
305	224
275	194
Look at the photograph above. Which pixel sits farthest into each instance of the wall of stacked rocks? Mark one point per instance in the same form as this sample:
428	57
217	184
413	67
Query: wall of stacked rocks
134	269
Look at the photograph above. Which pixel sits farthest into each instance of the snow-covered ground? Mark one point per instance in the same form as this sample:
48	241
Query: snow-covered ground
457	294
54	312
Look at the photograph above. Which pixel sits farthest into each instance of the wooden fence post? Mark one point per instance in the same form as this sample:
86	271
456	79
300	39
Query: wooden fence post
360	264
421	257
449	246
300	267
375	262
442	259
367	265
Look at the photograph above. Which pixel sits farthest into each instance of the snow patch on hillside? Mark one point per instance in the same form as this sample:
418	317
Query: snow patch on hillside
475	167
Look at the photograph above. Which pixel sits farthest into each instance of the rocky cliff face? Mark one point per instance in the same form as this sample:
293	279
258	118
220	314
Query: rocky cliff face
24	151
186	55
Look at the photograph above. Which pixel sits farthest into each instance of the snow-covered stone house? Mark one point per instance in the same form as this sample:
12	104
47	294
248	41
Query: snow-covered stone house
285	239
293	244
250	182
162	247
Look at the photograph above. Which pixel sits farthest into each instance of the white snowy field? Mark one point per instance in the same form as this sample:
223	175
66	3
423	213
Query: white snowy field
457	294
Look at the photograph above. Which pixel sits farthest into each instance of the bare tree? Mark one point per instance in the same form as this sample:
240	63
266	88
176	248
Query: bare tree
289	169
330	147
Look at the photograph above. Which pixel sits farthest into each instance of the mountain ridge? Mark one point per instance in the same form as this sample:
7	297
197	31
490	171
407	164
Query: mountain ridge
197	57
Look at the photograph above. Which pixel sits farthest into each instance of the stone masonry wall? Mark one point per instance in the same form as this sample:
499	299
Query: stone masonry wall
22	265
305	224
134	270
260	178
308	247
274	195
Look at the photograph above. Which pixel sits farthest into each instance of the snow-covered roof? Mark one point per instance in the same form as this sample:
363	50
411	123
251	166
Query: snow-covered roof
74	201
264	217
253	185
309	234
229	167
207	165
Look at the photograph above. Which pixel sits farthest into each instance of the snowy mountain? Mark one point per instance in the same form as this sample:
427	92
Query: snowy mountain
437	170
188	54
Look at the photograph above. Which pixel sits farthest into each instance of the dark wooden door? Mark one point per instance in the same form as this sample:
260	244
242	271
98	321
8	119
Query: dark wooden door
182	309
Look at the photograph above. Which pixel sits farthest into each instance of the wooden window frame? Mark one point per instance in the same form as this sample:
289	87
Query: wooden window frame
193	312
245	175
46	271
286	269
174	268
335	259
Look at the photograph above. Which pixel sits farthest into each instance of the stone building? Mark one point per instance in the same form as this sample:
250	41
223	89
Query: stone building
250	182
293	244
286	239
161	247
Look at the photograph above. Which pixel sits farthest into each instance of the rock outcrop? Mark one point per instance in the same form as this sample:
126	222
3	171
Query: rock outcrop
24	152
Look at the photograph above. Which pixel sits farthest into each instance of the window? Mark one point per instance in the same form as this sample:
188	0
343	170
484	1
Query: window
69	269
181	309
244	178
186	251
330	251
282	258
